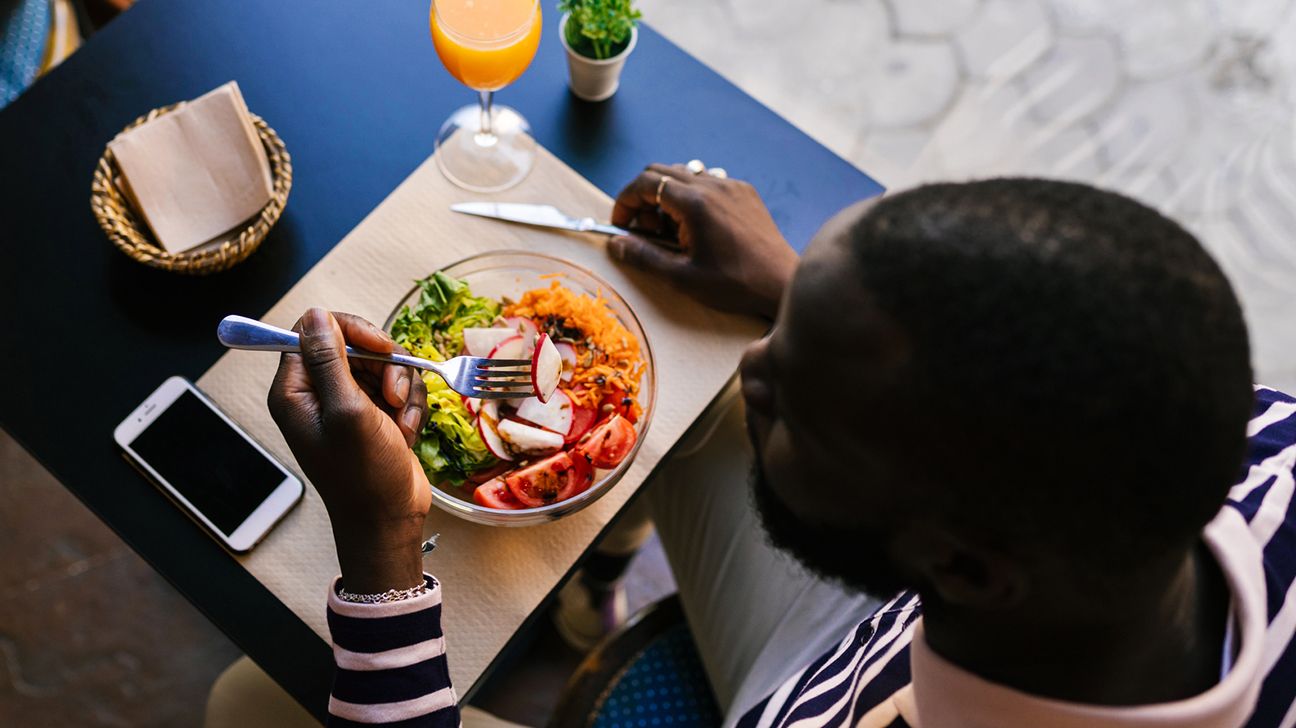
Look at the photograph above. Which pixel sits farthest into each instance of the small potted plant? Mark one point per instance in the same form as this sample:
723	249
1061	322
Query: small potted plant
598	35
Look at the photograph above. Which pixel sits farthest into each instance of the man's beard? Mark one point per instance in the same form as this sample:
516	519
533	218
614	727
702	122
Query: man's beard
856	558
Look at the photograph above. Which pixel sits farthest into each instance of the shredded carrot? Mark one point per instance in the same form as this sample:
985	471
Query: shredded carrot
607	355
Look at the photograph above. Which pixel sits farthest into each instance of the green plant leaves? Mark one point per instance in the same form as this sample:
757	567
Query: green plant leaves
599	29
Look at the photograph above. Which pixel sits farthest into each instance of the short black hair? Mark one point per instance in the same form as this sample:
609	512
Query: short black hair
1080	375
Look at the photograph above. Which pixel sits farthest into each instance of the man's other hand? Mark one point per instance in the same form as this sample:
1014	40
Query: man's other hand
731	254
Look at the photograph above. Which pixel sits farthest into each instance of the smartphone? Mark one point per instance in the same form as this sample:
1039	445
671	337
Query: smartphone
208	465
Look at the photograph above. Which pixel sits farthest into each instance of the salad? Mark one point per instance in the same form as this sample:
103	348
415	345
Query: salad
533	451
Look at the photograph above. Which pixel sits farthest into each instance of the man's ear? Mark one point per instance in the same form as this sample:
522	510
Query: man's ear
961	574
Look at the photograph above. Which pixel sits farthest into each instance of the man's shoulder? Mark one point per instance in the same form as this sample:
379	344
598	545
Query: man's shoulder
1271	450
1273	420
1264	498
861	676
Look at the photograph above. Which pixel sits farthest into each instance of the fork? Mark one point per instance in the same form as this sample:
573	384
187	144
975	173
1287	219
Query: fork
471	376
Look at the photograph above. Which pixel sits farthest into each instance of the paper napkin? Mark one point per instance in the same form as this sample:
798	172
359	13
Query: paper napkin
197	172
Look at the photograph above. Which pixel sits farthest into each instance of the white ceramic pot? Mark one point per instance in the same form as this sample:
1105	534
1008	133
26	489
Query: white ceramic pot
591	79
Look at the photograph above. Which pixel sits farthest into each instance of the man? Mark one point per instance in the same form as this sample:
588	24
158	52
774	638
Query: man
1019	410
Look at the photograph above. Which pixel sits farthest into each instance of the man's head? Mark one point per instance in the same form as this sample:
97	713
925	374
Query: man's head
999	393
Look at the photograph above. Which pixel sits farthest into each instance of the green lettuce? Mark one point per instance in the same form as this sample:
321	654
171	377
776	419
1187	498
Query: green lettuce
445	308
449	447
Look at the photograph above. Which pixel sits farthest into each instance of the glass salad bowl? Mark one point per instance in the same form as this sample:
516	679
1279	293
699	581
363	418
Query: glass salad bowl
508	274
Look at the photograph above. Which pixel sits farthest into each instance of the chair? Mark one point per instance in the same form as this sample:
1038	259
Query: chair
646	675
35	36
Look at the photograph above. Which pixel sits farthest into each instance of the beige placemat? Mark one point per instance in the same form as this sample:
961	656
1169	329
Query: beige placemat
493	577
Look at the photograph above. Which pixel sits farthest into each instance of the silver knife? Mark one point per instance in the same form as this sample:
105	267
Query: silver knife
541	215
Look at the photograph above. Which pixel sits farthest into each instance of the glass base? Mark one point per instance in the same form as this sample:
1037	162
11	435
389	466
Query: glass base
485	162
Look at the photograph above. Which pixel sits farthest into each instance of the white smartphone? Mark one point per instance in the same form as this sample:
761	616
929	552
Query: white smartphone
208	465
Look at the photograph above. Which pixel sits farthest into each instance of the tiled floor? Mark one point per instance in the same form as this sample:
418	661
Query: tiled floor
90	635
1189	105
1186	104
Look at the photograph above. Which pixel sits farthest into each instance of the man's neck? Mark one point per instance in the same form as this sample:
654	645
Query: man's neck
1166	646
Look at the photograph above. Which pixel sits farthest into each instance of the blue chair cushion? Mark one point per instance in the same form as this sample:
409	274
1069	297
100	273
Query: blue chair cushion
664	687
24	32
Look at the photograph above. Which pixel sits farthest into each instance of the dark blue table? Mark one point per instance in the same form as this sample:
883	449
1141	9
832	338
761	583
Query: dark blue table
357	93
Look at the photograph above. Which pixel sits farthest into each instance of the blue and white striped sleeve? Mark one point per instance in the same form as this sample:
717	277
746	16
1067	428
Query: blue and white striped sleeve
391	663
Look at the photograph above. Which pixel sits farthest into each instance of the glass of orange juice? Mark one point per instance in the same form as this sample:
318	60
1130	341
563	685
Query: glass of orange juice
486	44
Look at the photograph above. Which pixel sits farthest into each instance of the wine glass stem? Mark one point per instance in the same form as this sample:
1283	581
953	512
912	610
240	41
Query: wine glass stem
486	135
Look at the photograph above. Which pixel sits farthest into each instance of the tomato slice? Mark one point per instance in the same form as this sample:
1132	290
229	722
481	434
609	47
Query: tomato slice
582	420
609	442
553	479
495	494
582	471
481	476
616	400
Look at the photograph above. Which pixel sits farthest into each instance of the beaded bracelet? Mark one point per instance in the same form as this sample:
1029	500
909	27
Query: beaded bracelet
391	595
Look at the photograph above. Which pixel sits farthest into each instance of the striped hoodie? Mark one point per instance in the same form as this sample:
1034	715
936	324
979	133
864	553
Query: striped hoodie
392	669
391	663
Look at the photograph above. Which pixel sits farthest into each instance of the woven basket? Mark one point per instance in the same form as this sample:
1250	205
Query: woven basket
128	231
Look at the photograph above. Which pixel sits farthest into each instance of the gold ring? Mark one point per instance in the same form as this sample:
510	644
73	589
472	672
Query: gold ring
660	187
696	166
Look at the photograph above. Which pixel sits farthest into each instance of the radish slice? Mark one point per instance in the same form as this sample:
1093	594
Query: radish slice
546	368
487	427
554	415
568	354
525	328
510	348
472	404
528	439
480	342
490	435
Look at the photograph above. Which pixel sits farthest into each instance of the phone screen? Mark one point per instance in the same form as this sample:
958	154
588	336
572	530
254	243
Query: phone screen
208	462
